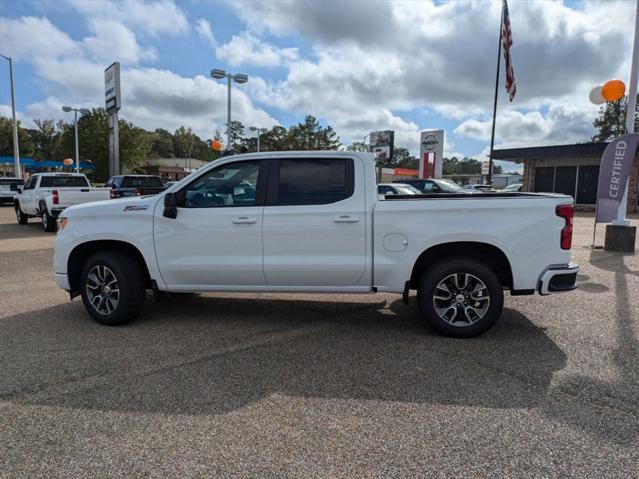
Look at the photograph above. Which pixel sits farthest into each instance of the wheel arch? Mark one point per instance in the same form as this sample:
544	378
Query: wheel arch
488	254
82	252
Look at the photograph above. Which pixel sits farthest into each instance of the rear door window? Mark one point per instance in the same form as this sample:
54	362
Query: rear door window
142	181
64	182
314	181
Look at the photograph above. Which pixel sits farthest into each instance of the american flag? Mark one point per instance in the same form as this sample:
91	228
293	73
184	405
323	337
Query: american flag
507	42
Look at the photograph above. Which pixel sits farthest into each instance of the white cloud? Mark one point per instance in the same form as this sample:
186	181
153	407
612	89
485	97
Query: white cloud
114	40
203	28
73	72
247	49
152	18
440	57
563	123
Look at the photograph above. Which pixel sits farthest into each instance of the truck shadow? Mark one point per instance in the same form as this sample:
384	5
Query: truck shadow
212	355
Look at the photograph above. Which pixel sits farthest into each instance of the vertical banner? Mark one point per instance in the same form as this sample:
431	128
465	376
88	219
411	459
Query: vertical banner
431	153
381	145
616	163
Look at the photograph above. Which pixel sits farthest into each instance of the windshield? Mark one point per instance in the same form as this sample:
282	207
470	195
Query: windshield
449	185
407	190
12	181
64	182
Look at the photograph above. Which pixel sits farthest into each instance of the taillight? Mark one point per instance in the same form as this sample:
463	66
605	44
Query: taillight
56	198
137	192
113	194
566	212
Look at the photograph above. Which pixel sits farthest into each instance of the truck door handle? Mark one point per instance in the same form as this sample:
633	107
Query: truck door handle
346	219
244	220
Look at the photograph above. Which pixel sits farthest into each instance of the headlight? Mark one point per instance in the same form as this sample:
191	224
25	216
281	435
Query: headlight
63	222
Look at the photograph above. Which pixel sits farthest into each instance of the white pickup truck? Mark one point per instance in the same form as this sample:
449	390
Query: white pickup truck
48	194
313	222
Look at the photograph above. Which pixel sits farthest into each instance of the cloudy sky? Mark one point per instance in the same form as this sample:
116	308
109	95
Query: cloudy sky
359	66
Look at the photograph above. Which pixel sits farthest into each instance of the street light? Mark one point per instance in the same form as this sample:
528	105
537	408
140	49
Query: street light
16	149
237	78
83	111
259	130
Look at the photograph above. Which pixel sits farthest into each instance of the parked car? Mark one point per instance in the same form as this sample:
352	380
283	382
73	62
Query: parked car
397	189
514	187
49	194
135	185
480	188
9	187
313	222
434	185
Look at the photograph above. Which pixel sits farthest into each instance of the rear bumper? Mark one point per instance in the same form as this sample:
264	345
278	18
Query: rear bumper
558	279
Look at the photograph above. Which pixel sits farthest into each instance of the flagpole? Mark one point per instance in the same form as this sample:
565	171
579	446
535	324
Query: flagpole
492	134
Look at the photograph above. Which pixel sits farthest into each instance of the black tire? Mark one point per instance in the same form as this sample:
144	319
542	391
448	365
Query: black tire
20	216
465	314
49	223
130	284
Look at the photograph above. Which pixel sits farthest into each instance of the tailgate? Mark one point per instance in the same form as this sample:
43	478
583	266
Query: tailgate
69	197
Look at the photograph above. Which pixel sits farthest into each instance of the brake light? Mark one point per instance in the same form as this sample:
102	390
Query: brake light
137	192
113	194
56	198
566	212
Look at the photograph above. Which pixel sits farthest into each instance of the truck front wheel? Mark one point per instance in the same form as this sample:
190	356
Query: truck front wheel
113	287
20	216
460	297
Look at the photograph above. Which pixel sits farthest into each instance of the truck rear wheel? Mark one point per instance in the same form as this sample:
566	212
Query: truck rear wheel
113	287
460	297
49	223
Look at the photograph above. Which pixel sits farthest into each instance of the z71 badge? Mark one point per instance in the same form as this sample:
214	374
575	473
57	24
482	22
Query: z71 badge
136	207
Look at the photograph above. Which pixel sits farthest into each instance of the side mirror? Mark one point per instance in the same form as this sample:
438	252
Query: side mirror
170	206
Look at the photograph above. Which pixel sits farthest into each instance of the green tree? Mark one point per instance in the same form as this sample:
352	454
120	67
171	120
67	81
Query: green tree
185	142
46	138
162	144
611	120
276	139
309	135
25	143
357	146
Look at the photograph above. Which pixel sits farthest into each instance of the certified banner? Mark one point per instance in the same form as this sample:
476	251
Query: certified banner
616	163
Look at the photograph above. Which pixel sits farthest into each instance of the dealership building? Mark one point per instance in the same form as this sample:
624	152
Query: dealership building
568	169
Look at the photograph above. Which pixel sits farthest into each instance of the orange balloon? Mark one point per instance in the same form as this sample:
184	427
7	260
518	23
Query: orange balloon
68	161
216	145
612	90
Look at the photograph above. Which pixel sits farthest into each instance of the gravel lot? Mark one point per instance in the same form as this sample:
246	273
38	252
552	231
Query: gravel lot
316	386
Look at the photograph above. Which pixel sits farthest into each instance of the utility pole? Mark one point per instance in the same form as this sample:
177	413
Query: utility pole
16	149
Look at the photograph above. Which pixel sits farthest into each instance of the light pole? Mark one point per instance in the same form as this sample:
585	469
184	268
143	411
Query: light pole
258	130
231	77
83	111
16	149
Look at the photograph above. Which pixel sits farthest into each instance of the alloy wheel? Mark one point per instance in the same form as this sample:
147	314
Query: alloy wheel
461	299
103	291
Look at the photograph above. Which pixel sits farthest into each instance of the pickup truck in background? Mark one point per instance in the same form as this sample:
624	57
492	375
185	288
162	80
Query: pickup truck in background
312	222
134	185
48	194
9	187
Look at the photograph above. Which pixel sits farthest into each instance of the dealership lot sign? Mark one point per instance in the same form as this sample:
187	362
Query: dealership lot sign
616	163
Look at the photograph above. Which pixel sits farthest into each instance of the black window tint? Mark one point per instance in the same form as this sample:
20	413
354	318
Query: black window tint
544	178
314	181
142	181
233	184
63	182
587	184
30	183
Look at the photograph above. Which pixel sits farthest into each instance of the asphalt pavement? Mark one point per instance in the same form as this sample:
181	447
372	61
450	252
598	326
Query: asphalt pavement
255	385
